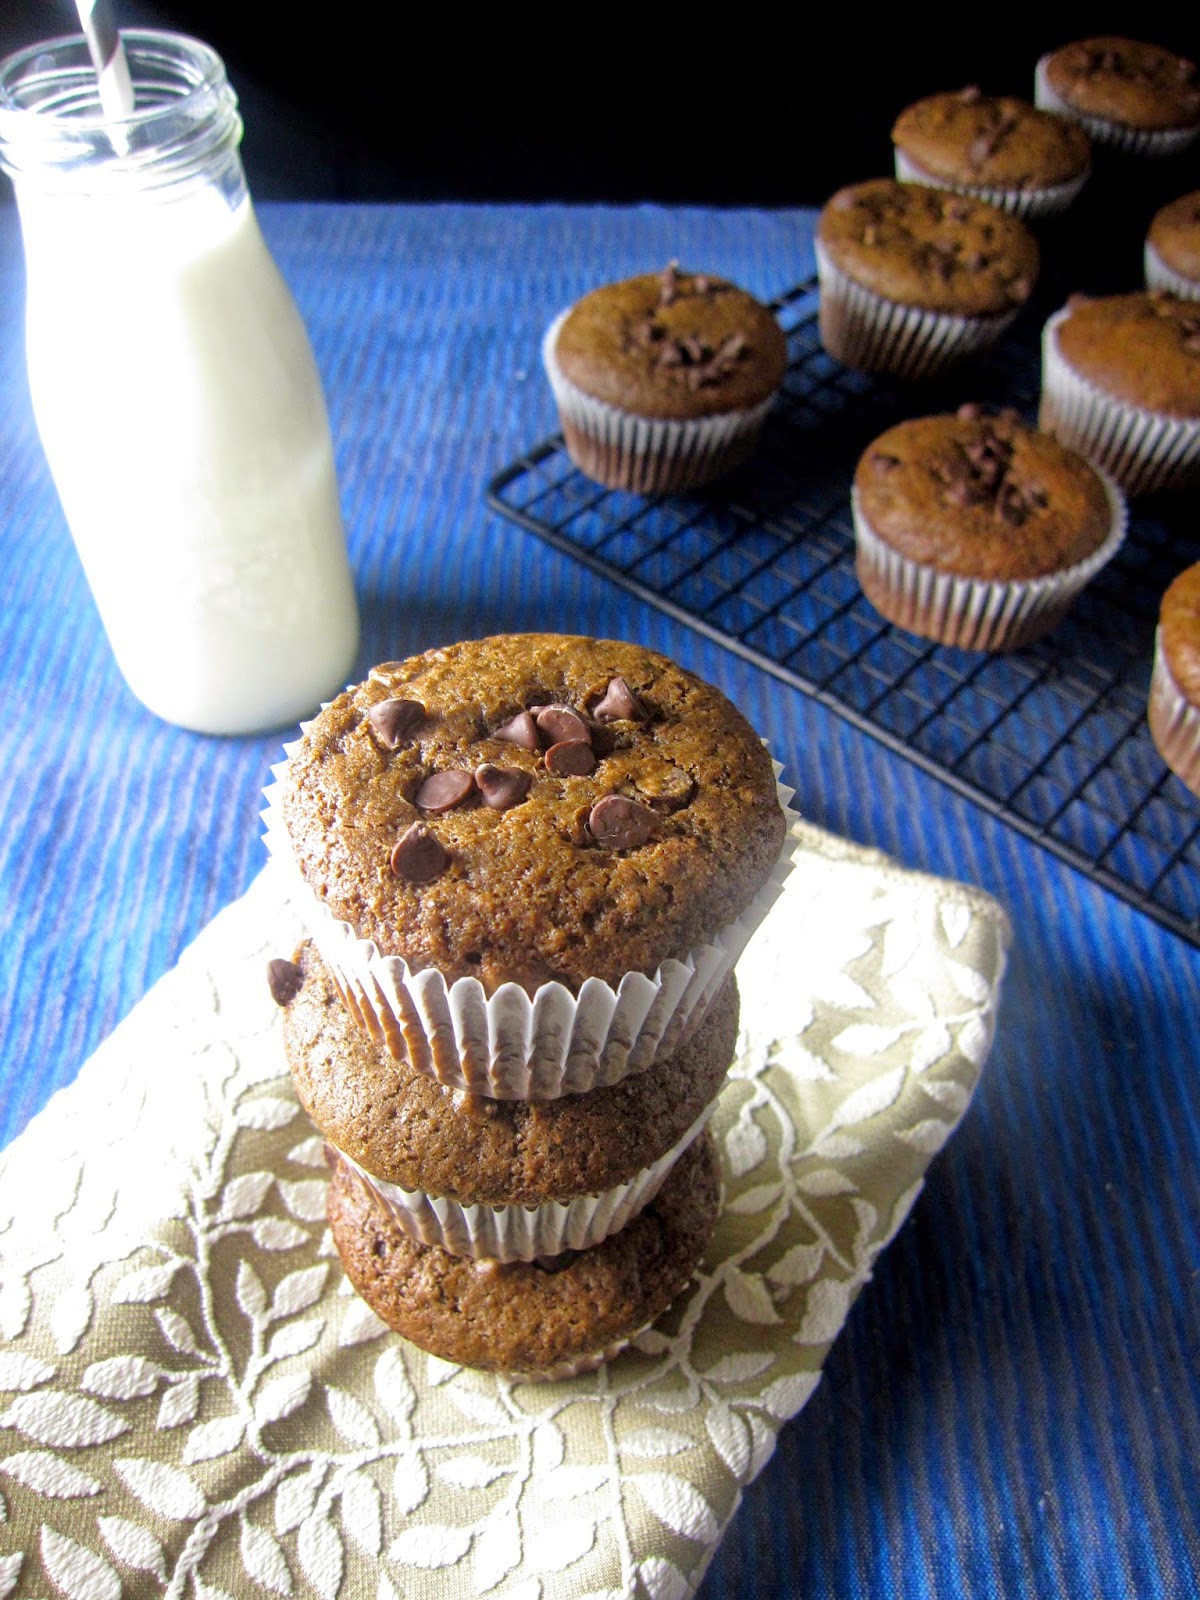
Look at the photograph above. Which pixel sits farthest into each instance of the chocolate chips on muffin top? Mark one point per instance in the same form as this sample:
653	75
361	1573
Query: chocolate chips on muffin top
1143	349
1126	81
619	812
992	140
672	344
925	247
985	496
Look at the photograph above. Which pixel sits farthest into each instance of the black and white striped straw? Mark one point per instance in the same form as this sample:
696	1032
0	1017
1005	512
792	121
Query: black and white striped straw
108	57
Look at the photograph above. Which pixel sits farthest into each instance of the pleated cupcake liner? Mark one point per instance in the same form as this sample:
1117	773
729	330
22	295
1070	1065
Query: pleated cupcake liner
1174	721
1160	276
1028	204
647	455
1143	450
863	330
975	613
522	1233
1151	142
511	1046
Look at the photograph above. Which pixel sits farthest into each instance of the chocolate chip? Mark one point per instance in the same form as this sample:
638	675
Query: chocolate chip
668	284
620	823
664	787
391	721
971	412
502	787
285	980
442	791
417	857
570	759
522	730
700	284
559	724
619	704
882	462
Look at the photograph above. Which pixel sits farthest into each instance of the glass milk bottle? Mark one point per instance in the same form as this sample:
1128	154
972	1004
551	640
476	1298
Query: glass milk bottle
175	389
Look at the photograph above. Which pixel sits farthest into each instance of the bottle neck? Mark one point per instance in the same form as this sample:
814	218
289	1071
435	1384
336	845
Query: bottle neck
184	130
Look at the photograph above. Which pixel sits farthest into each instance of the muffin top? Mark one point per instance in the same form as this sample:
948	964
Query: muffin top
1179	622
991	141
533	807
1175	234
1121	80
672	344
982	496
1141	348
528	1316
928	248
407	1129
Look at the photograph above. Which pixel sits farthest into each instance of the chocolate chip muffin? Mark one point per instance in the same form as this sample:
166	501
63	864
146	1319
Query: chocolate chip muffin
994	148
533	856
1174	710
913	278
513	1179
978	531
1121	384
1132	96
1172	256
544	1320
662	381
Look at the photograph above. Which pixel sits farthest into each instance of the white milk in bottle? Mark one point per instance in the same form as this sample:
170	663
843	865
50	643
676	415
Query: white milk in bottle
175	391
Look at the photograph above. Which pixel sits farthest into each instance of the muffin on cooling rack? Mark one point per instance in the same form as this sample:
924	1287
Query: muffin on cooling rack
913	278
1134	97
1022	160
978	531
663	381
1172	256
1174	710
1121	384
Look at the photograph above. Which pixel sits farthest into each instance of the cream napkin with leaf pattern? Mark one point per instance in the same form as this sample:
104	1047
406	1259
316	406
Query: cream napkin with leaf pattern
192	1403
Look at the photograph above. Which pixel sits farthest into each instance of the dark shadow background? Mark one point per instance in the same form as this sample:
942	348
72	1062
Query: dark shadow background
381	102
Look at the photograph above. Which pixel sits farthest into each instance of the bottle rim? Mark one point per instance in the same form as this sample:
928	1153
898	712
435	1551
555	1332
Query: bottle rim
51	119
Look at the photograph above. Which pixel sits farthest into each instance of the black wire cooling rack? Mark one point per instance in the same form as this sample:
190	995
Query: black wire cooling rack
1053	739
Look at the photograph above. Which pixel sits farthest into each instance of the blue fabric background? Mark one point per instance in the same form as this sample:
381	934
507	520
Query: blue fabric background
1012	1410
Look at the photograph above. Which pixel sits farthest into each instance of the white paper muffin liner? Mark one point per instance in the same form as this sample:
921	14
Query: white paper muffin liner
523	1233
511	1047
1152	142
1160	276
1143	450
974	613
647	455
1174	721
1029	204
863	330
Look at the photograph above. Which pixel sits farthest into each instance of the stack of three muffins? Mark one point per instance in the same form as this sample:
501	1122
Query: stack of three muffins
528	865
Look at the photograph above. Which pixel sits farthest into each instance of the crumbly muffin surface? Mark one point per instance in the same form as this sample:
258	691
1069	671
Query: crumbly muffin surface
672	345
1141	348
528	1316
408	1129
928	248
549	807
1179	622
982	496
1175	235
993	141
1126	81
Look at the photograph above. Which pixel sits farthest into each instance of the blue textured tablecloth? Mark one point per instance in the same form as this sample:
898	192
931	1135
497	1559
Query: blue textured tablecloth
1013	1408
